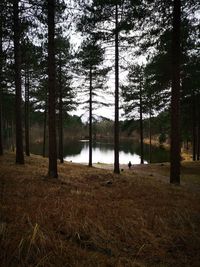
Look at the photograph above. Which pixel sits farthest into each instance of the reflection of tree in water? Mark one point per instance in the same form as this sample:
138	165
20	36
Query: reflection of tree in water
130	147
159	154
103	146
71	148
74	148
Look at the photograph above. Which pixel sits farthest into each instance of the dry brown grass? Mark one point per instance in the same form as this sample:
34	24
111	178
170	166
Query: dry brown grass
136	220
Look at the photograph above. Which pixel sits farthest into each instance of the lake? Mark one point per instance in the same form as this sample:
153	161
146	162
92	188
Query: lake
103	152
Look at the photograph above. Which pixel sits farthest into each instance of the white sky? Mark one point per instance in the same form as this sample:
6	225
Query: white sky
107	111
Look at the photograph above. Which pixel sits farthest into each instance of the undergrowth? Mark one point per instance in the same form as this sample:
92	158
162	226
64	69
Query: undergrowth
91	217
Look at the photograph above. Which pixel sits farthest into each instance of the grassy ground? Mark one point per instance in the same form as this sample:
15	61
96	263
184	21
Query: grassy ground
90	217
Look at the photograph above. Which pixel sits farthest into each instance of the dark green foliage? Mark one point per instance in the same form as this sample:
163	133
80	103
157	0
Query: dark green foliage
134	98
132	92
162	138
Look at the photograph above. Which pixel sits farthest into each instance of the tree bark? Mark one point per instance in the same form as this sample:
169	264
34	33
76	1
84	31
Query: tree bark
1	130
45	127
150	136
60	130
194	133
198	129
141	128
52	171
1	80
90	121
27	112
116	126
175	96
18	93
198	141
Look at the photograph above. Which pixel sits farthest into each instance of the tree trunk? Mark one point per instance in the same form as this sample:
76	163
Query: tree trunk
150	137
12	135
1	84
175	96
52	171
27	112
116	126
141	129
60	130
187	144
194	135
198	141
1	130
18	97
45	127
198	129
90	121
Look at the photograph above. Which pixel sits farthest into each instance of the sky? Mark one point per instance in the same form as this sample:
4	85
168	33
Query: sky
107	112
125	58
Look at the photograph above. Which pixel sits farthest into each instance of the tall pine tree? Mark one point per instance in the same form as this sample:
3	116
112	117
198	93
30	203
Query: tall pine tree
175	98
52	171
18	93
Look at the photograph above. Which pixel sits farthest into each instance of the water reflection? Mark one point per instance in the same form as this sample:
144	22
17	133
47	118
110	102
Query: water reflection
103	151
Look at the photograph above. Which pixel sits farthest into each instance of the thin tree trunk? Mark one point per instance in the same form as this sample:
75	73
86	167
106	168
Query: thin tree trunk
60	114
1	130
5	133
198	130
1	88
194	135
187	144
150	137
90	121
18	97
198	141
175	96
52	171
116	126
27	112
45	127
141	129
12	135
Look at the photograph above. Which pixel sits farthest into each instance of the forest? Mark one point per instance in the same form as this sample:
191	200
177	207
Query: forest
59	57
97	69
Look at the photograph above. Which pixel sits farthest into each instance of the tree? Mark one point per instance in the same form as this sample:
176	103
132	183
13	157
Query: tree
52	171
6	34
175	98
133	96
157	87
96	19
29	70
18	97
91	58
190	103
60	120
65	92
1	78
39	96
116	125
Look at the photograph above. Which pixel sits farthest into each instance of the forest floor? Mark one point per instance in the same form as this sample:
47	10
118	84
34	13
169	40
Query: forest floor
91	217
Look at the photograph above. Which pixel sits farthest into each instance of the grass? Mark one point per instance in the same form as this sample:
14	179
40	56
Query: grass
91	217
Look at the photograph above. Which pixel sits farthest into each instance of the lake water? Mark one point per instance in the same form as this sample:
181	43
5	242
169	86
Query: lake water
103	152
